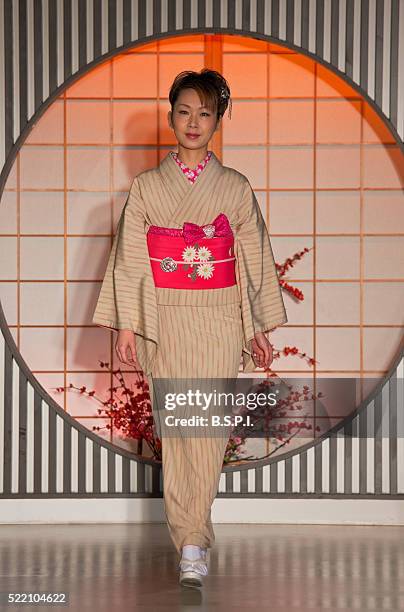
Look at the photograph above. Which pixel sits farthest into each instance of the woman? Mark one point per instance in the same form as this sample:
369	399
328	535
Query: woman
191	285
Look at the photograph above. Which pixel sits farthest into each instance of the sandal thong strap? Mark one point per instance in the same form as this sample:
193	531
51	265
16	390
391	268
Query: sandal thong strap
198	565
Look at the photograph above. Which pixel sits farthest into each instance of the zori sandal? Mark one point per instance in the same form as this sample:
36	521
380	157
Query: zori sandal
192	572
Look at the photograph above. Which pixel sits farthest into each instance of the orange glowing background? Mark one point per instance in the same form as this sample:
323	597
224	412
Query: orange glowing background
327	174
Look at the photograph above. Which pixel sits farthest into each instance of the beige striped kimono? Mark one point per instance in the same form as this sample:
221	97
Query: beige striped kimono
164	196
190	333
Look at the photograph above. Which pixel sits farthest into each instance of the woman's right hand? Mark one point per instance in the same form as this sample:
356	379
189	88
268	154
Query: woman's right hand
126	348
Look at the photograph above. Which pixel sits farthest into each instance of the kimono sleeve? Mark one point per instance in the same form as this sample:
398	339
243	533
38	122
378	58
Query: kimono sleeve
127	298
262	306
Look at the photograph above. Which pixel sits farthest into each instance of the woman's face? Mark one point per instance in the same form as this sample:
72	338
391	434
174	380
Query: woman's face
190	117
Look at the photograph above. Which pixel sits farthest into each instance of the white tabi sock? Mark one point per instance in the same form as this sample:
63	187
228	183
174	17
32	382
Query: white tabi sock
192	552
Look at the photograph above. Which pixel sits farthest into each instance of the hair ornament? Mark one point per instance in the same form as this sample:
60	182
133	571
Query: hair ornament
224	96
224	93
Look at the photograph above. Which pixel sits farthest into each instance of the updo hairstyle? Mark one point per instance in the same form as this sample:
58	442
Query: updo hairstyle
211	86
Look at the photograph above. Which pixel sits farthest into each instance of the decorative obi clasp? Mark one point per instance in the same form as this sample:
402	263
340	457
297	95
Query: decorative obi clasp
194	257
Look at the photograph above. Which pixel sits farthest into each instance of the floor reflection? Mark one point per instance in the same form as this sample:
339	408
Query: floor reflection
262	567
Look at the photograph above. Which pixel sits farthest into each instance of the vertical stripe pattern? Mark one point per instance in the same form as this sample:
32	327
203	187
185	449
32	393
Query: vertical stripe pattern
46	453
128	297
43	452
44	43
189	492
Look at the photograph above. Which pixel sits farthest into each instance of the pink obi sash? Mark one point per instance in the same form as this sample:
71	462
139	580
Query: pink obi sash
194	257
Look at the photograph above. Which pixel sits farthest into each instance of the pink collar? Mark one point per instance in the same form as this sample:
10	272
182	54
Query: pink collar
191	174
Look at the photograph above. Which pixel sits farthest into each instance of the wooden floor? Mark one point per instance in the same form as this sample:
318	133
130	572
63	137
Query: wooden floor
258	567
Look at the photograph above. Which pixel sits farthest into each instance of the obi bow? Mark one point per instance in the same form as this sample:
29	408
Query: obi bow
219	227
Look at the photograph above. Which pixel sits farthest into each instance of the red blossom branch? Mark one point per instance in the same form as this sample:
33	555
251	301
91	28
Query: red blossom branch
283	268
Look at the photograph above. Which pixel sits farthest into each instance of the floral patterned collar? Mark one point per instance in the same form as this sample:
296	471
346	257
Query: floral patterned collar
191	174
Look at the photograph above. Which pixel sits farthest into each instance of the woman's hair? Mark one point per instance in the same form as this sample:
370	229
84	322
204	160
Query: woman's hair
210	85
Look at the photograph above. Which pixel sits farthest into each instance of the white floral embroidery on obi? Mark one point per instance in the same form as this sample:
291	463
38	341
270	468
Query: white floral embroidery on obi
205	270
200	255
189	254
204	254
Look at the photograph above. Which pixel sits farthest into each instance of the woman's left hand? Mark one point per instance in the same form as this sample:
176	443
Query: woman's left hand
261	350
